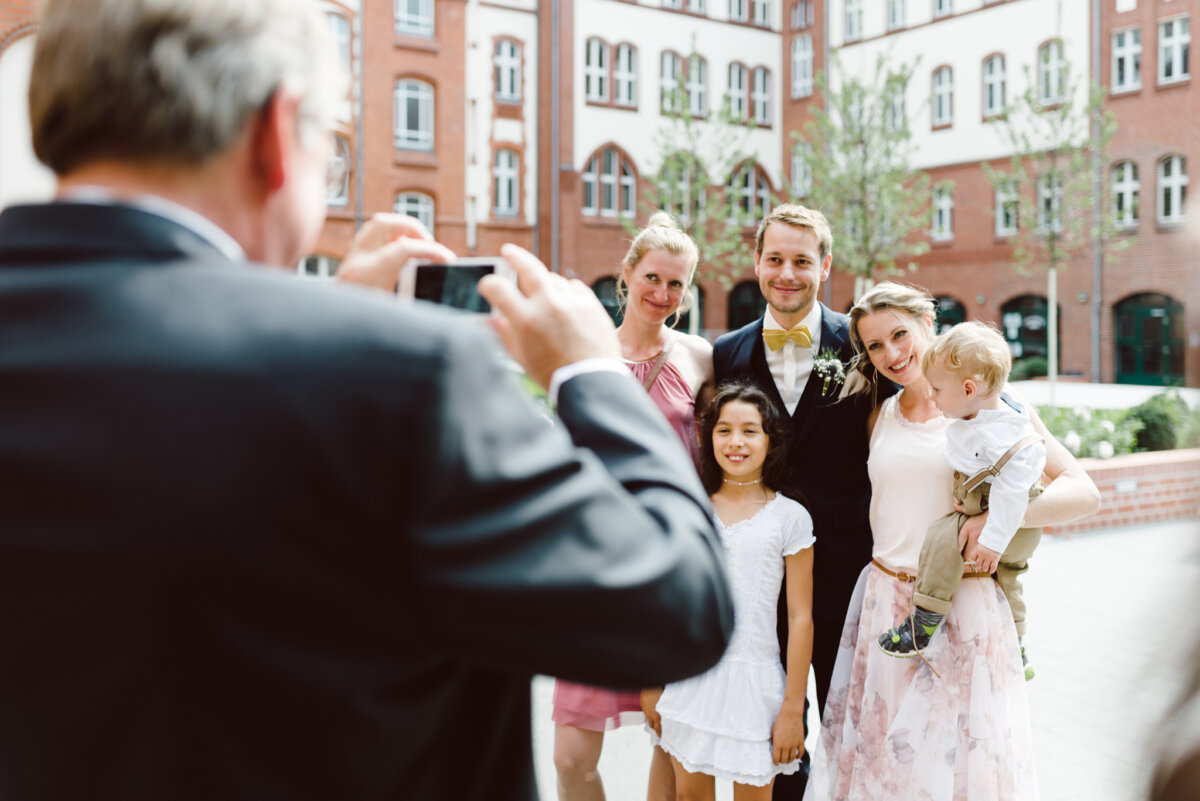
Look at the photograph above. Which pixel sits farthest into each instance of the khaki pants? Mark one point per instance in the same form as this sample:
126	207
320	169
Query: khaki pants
941	567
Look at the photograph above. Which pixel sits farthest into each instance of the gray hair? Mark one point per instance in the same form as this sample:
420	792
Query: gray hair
172	81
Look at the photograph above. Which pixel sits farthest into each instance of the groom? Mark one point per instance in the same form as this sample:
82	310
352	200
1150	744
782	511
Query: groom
788	352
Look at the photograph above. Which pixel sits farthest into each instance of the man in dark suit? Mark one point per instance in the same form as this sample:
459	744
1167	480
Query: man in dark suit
788	352
267	539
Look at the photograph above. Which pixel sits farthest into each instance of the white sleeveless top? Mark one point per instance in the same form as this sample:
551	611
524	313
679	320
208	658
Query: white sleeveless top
911	484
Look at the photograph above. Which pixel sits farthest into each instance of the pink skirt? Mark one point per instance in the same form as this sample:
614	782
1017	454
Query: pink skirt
595	708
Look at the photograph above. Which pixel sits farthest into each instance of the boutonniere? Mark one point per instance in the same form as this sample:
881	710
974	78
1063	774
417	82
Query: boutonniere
830	369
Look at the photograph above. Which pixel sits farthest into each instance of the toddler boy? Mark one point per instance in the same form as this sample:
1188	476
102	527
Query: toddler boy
998	460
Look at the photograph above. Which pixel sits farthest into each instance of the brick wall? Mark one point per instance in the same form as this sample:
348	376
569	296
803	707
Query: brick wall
1142	488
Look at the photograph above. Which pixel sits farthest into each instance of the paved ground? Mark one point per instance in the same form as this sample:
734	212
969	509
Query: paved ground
1112	621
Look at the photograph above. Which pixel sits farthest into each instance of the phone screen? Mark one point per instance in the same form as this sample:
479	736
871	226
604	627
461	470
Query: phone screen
452	285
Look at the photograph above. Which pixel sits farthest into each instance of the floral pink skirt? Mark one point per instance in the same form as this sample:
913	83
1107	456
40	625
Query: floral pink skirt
892	730
594	708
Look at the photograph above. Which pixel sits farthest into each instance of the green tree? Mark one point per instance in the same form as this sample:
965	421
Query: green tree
853	163
700	153
1057	134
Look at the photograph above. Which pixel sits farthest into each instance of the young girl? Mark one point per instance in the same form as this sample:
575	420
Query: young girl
742	721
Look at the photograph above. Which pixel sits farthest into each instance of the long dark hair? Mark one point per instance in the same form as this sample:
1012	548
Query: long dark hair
775	466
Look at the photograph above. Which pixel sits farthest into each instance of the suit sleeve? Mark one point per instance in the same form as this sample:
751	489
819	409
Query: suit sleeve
584	550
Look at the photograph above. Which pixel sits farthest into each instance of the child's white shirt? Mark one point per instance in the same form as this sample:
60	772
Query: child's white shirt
972	445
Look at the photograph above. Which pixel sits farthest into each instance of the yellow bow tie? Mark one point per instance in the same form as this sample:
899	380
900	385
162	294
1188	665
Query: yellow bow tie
775	337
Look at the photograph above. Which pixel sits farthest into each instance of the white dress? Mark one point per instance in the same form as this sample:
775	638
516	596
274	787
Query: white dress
891	729
719	723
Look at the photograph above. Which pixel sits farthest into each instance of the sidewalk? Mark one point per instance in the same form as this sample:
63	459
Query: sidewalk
1112	624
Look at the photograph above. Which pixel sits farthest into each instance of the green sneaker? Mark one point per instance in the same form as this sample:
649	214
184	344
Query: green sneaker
907	639
1029	673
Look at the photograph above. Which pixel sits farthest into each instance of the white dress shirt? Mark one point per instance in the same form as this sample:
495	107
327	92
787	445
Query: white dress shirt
792	364
972	445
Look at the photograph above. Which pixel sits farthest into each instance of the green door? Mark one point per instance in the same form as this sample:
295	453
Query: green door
1149	347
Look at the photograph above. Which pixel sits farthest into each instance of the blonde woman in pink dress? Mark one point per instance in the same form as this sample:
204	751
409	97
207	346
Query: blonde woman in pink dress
655	283
954	726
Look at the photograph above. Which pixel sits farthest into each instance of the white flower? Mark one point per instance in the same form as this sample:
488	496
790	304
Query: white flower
1072	442
1104	449
1083	413
1109	426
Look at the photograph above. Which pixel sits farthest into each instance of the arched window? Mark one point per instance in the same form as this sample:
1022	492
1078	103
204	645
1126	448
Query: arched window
802	66
853	20
1149	339
943	97
745	304
697	86
595	71
505	194
609	185
1025	322
606	290
682	186
1172	190
1125	190
670	73
1050	198
414	17
993	86
801	169
1051	73
950	312
337	190
760	96
750	192
413	120
943	214
739	91
625	76
506	62
418	205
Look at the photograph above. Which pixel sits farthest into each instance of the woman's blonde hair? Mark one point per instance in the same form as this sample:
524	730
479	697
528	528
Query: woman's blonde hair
662	232
888	296
972	350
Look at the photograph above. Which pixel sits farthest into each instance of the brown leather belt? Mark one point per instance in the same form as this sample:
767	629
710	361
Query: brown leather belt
908	579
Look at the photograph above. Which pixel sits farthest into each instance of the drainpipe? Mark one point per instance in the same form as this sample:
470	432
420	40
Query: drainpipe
554	133
1097	202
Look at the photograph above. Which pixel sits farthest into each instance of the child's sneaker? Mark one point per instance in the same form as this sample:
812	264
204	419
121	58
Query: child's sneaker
907	639
1029	673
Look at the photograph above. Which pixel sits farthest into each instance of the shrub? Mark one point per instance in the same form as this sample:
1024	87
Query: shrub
1099	433
1032	367
1164	417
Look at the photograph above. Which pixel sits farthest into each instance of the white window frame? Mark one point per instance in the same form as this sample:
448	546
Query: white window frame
739	91
801	171
1006	209
670	66
751	190
854	20
1049	203
697	86
994	86
802	15
943	96
1174	39
507	62
1172	190
895	15
695	6
610	177
942	229
1127	54
760	96
739	10
895	114
410	134
761	12
678	199
339	31
416	23
625	76
1126	190
326	267
340	163
802	66
1051	73
417	205
595	71
505	187
942	8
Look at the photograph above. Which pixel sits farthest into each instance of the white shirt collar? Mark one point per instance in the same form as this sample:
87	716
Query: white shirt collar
197	223
812	320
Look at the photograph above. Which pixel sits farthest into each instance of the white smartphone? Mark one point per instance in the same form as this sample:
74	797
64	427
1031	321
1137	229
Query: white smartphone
453	284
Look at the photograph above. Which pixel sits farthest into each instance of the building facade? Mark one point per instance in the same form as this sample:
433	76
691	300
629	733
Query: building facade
542	123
